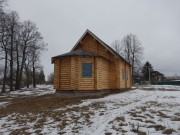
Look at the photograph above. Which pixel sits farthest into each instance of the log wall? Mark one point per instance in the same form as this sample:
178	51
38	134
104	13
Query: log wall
65	73
102	74
56	74
86	83
129	79
122	80
74	73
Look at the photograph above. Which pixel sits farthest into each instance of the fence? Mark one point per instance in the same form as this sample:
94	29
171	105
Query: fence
167	83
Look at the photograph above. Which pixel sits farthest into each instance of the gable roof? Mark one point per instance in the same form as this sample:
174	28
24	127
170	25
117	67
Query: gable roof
154	73
102	43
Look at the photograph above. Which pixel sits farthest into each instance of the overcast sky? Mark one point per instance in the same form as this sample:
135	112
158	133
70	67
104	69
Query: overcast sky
62	22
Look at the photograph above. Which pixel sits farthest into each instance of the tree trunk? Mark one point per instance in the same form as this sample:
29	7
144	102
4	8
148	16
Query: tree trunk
133	69
5	72
22	66
11	59
27	75
34	76
17	86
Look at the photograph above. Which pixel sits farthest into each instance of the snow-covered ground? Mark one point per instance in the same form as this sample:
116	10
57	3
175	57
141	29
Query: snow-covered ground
160	87
2	104
39	90
149	112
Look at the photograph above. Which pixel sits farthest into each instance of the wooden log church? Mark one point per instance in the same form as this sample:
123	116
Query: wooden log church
91	66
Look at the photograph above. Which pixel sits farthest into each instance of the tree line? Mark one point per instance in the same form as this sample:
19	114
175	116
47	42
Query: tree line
21	45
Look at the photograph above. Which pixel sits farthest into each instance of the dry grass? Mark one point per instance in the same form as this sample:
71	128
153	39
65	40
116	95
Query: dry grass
143	108
178	114
150	116
97	105
38	131
36	109
100	114
37	104
157	127
169	97
120	119
108	133
136	114
63	124
163	115
21	131
152	111
133	114
87	115
149	121
142	133
175	118
123	124
152	103
137	119
168	131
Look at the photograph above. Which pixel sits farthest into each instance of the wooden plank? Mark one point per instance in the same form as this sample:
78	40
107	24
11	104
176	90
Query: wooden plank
119	74
102	74
65	74
95	73
122	81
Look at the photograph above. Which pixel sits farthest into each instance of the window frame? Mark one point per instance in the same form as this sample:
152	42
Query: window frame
87	73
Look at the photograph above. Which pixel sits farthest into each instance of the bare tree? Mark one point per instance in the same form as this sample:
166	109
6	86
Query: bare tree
37	46
3	50
4	44
131	49
1	73
28	65
116	45
13	24
28	36
21	45
35	52
3	3
126	47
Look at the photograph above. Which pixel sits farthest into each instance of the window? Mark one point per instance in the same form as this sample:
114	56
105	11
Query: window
86	69
122	73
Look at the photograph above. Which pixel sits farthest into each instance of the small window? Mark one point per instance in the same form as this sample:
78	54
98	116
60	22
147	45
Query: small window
123	74
86	69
